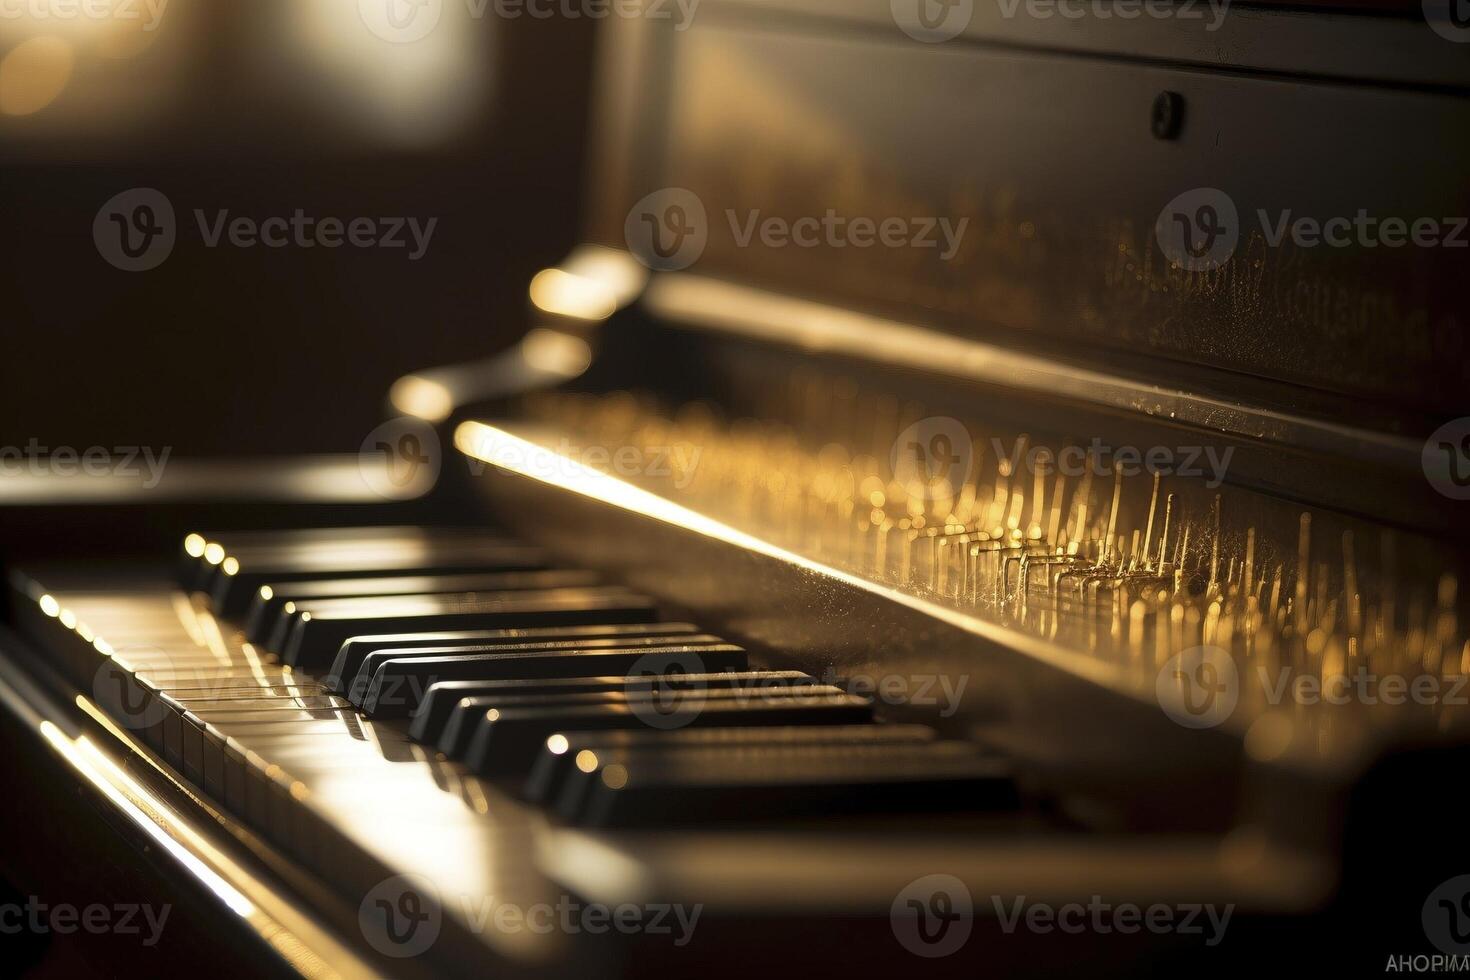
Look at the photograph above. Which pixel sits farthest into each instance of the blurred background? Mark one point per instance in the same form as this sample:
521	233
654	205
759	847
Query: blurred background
259	108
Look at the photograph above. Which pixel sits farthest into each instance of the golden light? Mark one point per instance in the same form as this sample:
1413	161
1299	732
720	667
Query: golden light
412	83
592	283
565	294
615	270
421	398
555	352
34	73
194	546
126	38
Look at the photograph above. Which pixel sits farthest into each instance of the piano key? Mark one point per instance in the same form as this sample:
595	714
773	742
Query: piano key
183	738
238	580
269	599
649	788
293	613
358	687
196	701
505	742
247	692
651	705
578	782
314	639
563	751
354	649
439	699
204	737
409	677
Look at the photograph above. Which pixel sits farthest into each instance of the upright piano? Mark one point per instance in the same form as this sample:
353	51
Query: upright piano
987	496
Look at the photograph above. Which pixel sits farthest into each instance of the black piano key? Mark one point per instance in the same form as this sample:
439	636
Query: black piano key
238	579
293	613
658	707
354	650
314	640
650	788
359	687
439	699
505	742
589	751
269	599
409	678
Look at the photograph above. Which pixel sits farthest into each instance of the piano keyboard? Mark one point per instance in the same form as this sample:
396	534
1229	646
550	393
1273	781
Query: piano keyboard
379	691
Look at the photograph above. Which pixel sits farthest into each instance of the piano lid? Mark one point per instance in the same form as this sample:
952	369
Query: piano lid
1093	197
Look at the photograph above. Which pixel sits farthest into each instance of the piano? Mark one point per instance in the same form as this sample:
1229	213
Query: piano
975	502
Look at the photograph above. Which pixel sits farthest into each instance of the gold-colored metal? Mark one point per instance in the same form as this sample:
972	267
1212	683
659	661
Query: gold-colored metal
1117	576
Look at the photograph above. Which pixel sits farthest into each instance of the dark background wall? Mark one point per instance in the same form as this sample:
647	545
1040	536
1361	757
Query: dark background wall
222	350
